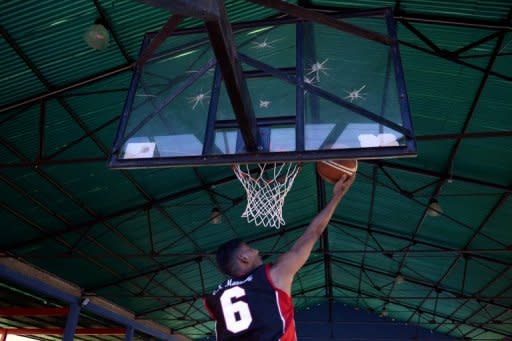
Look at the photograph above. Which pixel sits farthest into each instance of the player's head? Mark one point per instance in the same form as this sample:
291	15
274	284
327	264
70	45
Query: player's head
235	258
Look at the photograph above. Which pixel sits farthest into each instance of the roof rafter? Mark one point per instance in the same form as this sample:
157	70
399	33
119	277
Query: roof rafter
402	15
453	154
125	211
108	22
61	189
422	283
413	307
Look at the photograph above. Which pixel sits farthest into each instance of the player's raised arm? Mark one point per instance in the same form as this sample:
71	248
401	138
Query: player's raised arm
289	263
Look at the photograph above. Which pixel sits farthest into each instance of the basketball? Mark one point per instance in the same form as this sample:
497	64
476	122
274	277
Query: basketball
332	170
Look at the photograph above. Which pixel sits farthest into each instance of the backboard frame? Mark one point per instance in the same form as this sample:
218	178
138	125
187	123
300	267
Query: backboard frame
293	76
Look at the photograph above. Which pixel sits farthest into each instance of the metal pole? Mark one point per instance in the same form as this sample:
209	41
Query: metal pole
71	322
299	90
129	334
28	277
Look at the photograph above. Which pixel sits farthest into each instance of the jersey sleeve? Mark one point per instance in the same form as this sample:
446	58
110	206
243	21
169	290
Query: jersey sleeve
208	309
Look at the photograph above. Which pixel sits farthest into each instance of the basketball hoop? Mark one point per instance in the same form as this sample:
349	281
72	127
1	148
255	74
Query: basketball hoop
266	190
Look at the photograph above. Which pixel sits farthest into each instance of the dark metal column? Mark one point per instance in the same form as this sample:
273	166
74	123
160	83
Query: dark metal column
129	334
324	242
221	37
71	322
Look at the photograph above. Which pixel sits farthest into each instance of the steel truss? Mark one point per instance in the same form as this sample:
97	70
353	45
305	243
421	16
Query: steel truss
496	32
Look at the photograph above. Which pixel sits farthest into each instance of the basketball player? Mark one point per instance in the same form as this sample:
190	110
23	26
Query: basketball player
255	303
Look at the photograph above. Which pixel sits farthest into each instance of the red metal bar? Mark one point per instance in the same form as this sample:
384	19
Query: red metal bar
60	331
34	311
311	15
169	27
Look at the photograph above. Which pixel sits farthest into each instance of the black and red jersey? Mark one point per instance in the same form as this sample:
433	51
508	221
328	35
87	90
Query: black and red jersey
251	308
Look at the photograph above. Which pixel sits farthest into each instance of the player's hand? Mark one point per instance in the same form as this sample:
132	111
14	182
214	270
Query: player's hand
343	185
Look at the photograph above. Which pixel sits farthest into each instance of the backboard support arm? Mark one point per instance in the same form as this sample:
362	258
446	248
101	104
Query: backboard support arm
222	40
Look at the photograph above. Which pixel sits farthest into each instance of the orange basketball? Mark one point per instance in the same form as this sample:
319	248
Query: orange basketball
333	170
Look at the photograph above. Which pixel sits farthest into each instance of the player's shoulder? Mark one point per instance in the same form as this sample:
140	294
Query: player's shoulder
258	274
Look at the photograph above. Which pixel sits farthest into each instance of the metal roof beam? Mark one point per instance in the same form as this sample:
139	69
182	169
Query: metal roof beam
422	283
60	331
84	207
473	253
169	27
453	154
45	162
492	320
296	295
364	294
124	67
417	229
139	274
402	15
215	202
192	190
317	17
474	103
83	137
201	9
224	47
12	43
474	44
106	21
324	245
439	175
128	210
453	21
422	37
408	306
42	129
470	135
493	211
57	91
28	277
34	311
409	196
368	226
76	118
451	58
488	285
439	248
193	259
474	313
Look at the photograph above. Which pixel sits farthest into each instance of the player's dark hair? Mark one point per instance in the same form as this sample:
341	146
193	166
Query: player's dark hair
226	256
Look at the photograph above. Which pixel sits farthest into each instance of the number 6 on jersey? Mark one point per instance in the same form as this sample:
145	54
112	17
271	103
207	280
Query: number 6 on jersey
230	310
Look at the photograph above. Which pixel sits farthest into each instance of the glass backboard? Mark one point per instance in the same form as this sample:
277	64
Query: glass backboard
317	92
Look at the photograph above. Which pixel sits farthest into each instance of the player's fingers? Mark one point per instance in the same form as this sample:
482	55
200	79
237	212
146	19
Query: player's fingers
342	181
341	184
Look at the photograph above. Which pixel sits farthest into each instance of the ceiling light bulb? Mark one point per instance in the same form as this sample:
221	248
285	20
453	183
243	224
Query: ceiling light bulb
384	312
216	216
434	209
97	35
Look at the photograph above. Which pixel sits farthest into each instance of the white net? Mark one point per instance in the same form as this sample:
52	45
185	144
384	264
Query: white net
266	190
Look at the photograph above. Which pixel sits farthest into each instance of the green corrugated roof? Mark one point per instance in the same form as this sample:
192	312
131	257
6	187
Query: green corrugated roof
143	239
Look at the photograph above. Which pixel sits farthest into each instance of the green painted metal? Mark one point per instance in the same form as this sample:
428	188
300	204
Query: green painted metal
161	218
